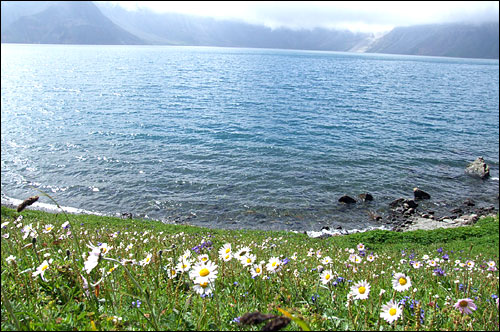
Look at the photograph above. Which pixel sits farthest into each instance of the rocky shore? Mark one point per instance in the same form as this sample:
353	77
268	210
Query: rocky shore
409	214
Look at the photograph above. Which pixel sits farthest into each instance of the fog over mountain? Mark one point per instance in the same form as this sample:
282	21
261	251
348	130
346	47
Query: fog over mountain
71	22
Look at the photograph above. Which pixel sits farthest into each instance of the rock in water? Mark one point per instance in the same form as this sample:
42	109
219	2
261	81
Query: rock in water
365	197
420	194
346	199
478	168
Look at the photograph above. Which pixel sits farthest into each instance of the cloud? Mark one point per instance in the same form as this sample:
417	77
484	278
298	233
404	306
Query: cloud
353	15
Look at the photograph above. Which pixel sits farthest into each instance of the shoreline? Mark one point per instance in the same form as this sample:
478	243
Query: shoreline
398	219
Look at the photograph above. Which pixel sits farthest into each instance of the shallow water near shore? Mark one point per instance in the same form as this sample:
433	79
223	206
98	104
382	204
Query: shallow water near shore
245	138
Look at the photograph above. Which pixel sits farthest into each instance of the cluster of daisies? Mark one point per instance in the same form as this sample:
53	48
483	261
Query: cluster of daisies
203	272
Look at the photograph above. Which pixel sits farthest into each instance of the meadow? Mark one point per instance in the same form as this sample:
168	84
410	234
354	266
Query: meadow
84	272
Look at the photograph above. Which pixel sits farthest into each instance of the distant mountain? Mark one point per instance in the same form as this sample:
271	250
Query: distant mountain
450	40
60	22
177	29
74	22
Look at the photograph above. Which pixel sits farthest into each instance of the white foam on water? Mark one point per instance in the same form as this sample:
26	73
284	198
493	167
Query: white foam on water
48	207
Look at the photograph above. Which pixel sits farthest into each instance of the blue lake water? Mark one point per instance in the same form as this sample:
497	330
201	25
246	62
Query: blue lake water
244	138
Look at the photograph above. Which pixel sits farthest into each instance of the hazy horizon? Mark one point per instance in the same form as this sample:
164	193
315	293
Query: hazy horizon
356	16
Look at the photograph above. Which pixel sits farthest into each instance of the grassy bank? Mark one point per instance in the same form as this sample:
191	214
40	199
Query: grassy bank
145	275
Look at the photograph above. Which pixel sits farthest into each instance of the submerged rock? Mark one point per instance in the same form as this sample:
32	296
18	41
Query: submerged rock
478	168
420	194
347	199
365	197
404	203
469	202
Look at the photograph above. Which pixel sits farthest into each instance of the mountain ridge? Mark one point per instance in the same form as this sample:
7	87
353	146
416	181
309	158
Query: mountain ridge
87	22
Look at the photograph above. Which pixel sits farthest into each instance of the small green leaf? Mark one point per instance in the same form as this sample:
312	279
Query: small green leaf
303	325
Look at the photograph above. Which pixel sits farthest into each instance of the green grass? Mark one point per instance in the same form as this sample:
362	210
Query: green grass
60	302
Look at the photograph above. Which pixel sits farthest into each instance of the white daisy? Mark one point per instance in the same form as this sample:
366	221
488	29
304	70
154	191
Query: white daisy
256	270
248	259
227	257
186	255
417	265
242	253
183	265
203	258
226	249
361	247
326	276
202	286
273	265
326	260
40	270
391	311
171	272
361	290
48	228
431	262
204	271
146	260
401	282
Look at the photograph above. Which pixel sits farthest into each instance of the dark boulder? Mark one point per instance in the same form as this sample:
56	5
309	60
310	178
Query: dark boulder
347	199
420	194
478	168
397	202
403	203
469	202
365	197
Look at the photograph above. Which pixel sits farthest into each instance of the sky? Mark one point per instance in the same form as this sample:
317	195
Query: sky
359	16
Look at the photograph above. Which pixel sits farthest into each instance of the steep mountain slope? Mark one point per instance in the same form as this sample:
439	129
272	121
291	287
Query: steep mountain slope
65	22
452	40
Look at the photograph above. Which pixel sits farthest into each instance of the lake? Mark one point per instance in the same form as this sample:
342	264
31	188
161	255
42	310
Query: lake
244	138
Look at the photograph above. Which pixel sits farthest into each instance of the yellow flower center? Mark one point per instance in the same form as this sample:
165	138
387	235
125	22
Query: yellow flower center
204	272
273	264
204	259
147	259
227	256
327	277
402	281
257	270
184	266
204	284
228	250
361	290
392	311
249	260
104	250
173	272
45	267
